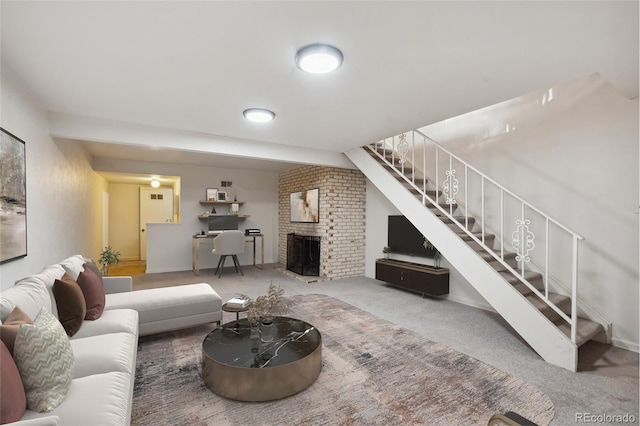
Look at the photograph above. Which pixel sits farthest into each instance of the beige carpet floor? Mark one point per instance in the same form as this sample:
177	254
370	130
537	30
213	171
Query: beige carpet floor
373	373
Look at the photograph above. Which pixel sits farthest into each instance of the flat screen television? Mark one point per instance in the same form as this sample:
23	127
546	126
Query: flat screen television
404	238
223	222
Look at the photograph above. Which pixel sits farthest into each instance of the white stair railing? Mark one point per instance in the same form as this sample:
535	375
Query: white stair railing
541	243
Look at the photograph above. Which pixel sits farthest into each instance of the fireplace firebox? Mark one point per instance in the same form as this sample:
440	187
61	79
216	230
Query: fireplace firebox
303	254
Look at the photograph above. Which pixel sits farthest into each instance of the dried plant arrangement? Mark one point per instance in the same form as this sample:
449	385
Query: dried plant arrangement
269	306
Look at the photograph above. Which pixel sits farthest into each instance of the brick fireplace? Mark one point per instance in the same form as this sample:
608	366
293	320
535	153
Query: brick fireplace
342	215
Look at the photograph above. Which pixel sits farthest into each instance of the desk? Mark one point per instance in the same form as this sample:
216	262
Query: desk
197	240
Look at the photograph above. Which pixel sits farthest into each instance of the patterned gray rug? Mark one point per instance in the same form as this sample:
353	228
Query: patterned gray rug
373	373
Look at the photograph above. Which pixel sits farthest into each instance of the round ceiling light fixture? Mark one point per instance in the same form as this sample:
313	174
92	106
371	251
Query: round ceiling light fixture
319	58
258	115
155	183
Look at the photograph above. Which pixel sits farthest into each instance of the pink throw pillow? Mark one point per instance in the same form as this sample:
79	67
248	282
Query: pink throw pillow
13	401
93	293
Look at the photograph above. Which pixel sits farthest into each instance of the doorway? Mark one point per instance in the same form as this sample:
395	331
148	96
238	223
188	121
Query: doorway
156	206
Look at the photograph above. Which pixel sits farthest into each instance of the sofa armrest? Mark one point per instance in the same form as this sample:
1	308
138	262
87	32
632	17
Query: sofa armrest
117	284
40	421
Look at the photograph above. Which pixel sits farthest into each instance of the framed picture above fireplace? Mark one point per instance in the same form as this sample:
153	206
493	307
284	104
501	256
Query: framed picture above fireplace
304	206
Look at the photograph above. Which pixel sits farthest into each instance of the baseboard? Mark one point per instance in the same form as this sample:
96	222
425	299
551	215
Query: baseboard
469	302
625	344
161	270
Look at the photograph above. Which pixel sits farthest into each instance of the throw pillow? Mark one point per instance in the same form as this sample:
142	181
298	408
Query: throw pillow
90	264
9	329
45	361
70	303
13	401
93	293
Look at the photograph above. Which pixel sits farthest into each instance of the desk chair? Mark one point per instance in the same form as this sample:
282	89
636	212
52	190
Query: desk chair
228	243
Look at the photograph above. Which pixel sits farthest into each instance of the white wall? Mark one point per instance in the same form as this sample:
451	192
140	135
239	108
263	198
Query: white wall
64	195
169	245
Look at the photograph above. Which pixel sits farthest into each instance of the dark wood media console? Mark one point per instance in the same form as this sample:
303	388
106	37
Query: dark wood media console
422	279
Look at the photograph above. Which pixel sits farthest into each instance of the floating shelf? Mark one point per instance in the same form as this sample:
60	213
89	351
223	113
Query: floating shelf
204	202
207	216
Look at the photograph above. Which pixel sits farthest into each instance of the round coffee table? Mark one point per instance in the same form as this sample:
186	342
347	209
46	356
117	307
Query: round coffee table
237	367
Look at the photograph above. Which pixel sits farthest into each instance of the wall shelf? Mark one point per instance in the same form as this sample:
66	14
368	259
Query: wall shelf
207	216
205	202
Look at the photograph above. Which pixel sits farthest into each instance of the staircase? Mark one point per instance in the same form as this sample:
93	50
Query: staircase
519	286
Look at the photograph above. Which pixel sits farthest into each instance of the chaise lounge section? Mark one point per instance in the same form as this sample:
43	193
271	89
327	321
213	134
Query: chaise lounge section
104	350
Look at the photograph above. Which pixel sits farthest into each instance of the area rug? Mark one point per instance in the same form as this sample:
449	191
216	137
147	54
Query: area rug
373	373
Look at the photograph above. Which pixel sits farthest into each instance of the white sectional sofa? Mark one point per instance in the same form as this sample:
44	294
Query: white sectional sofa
104	350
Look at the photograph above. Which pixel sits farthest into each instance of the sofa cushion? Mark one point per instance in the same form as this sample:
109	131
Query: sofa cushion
29	293
48	277
105	353
13	401
168	302
93	293
9	329
73	265
111	321
99	399
45	360
70	302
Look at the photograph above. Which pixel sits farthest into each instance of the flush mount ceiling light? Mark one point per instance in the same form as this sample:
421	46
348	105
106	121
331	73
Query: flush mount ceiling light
319	58
259	115
155	183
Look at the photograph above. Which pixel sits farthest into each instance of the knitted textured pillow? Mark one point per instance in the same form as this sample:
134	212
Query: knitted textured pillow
44	358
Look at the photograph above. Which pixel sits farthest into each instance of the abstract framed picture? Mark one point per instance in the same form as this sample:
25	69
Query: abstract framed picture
13	197
305	206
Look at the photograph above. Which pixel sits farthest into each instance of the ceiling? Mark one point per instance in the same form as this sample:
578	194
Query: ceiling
195	66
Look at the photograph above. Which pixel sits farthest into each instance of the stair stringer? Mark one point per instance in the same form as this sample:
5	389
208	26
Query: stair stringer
540	333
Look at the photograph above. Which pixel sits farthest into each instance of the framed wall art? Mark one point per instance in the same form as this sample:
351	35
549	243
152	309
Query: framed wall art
13	197
212	194
222	195
305	206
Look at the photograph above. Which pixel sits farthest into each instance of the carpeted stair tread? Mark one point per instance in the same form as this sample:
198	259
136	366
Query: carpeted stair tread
586	330
488	238
509	258
459	219
438	213
418	194
525	290
561	301
532	277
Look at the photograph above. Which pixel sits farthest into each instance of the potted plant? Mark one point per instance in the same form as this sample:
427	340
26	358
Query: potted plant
436	256
386	250
108	257
264	308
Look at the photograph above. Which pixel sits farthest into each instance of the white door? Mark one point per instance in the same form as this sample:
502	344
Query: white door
156	206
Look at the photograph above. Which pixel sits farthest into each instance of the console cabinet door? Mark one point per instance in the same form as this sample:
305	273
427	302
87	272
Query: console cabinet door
426	283
392	275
